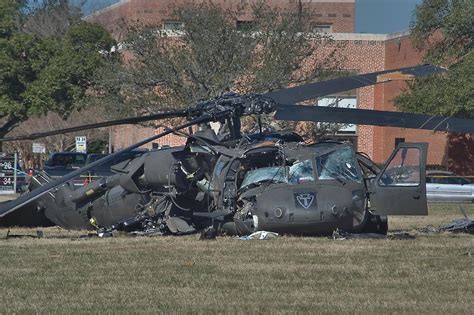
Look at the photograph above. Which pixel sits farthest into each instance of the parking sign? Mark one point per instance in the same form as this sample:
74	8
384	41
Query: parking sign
81	144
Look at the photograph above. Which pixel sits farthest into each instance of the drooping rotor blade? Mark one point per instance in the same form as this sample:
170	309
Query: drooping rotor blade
126	121
35	194
310	91
373	117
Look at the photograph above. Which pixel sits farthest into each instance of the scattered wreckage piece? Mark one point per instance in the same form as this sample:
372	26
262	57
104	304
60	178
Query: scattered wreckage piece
342	235
259	235
39	234
462	225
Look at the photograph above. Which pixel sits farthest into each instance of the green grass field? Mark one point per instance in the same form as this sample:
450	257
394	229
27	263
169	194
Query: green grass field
62	273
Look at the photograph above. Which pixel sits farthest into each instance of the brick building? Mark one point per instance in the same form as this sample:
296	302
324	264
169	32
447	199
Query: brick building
329	15
363	53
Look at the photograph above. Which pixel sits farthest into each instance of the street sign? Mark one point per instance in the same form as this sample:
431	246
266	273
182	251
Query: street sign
8	168
39	148
81	144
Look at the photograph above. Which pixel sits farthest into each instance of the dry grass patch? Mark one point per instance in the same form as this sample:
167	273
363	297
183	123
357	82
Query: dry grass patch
63	273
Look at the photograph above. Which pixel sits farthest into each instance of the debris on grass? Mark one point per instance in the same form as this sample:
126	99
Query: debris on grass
39	234
259	235
342	235
463	225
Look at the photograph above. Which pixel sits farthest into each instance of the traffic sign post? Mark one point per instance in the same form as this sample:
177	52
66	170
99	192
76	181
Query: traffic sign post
81	144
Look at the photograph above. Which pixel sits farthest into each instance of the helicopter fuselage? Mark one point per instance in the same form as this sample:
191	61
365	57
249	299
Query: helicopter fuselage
260	184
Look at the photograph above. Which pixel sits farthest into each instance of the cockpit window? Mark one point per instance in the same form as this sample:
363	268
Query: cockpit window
338	164
300	172
403	169
274	174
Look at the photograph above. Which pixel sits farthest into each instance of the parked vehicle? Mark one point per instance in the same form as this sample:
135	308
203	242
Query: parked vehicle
59	164
443	186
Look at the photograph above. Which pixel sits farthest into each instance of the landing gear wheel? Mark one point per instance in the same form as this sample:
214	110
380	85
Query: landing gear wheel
376	224
359	219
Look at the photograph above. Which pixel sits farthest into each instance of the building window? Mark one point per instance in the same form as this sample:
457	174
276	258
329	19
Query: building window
173	25
332	15
245	25
347	15
399	140
345	100
171	28
322	28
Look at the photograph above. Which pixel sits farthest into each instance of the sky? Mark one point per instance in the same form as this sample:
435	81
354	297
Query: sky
384	16
93	5
372	16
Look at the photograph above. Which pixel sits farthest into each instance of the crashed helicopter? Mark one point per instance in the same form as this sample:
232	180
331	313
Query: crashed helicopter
236	184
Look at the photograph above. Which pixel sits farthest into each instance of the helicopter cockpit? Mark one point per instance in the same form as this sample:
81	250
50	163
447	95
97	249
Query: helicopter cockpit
299	172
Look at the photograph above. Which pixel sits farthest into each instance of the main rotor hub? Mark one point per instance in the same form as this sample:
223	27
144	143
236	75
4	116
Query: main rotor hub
233	105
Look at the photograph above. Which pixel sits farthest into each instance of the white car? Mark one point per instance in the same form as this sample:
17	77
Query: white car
443	186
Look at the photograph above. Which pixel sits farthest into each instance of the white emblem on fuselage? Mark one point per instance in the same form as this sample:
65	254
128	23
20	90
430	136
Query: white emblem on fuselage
305	199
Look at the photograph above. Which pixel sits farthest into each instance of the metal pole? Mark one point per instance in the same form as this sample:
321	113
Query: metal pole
110	139
15	165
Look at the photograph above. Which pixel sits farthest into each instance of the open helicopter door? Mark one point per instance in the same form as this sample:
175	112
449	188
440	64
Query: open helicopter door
400	188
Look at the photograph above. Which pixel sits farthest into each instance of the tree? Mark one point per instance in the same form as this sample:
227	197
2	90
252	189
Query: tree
50	17
45	72
208	52
445	30
8	17
451	94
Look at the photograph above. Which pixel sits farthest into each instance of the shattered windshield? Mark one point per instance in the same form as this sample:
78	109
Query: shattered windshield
275	174
299	172
339	164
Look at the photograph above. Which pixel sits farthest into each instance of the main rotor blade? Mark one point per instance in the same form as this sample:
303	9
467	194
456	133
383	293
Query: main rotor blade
35	194
126	121
313	90
373	117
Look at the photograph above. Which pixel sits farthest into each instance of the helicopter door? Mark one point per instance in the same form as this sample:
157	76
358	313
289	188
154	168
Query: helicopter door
400	188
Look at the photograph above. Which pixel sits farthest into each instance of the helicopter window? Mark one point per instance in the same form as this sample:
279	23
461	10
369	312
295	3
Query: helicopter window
339	164
274	174
301	171
403	169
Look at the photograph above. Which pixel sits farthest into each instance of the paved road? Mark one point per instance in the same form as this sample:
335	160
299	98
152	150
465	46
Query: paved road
4	198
